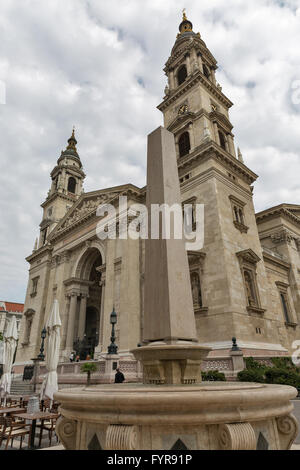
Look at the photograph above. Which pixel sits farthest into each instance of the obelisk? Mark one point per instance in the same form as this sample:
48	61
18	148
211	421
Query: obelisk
172	353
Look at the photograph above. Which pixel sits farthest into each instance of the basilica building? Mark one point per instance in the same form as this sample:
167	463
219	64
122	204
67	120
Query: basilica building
245	280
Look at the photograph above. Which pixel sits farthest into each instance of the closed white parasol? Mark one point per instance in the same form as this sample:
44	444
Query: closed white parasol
49	386
10	344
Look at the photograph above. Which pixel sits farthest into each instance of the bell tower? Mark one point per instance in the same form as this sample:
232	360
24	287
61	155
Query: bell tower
194	107
233	282
67	180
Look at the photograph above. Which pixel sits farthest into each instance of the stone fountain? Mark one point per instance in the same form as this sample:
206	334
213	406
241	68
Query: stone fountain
172	409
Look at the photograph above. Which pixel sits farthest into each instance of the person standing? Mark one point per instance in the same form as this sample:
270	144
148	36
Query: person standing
119	377
72	357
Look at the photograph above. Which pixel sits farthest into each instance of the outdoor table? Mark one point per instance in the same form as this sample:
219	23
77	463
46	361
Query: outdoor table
9	411
34	417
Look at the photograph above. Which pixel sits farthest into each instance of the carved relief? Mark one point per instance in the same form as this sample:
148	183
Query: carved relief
66	430
85	209
240	436
288	428
281	237
121	437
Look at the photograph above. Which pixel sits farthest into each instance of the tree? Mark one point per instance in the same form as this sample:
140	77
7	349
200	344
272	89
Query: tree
89	368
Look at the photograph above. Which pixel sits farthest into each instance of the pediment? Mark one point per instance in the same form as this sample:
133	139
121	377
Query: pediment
248	256
180	119
86	207
293	208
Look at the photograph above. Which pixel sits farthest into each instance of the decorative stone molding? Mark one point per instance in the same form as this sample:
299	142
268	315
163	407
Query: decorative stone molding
223	364
66	430
284	236
121	437
288	429
240	436
241	227
248	256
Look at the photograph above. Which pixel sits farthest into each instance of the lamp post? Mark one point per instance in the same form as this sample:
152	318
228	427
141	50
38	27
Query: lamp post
41	356
113	348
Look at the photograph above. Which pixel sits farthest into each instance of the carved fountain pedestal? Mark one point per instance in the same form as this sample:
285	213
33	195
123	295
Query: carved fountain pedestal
208	416
172	409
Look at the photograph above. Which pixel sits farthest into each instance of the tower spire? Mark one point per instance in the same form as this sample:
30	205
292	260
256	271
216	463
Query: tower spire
72	142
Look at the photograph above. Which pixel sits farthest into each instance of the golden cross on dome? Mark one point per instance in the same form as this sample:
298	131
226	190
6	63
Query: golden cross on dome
184	18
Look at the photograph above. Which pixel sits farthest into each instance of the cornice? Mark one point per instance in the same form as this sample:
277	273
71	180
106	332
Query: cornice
276	211
61	195
213	150
248	256
276	261
72	169
187	45
39	253
216	116
196	77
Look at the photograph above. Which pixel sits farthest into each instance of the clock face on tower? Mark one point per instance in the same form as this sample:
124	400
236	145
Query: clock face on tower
183	109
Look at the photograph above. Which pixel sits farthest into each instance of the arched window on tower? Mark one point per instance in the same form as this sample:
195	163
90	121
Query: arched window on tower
181	75
71	185
222	140
184	144
206	71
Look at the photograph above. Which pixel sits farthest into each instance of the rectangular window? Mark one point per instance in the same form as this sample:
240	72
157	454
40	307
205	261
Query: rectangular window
238	214
34	286
285	308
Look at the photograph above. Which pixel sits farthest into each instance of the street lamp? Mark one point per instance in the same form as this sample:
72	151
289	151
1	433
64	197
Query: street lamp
41	356
113	348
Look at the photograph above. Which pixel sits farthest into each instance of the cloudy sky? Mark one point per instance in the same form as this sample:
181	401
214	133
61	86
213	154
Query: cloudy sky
98	65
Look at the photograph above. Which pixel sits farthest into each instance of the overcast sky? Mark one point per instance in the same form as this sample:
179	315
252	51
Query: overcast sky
98	65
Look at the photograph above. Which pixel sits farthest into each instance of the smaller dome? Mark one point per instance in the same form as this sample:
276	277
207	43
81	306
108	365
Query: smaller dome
185	26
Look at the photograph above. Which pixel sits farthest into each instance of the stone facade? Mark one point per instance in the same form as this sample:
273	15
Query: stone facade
245	281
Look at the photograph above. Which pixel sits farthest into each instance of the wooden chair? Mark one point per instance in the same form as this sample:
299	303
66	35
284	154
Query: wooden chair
49	426
13	429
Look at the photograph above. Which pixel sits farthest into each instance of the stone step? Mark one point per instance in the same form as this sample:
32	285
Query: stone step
21	388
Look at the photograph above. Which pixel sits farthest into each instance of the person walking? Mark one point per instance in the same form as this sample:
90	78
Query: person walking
72	357
119	377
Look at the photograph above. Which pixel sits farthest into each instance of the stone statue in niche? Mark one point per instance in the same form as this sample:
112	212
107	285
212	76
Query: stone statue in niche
248	283
196	290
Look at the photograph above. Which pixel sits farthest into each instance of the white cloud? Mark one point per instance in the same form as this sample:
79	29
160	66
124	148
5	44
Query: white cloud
98	65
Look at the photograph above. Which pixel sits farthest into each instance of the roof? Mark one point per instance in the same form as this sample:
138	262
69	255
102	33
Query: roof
13	307
290	211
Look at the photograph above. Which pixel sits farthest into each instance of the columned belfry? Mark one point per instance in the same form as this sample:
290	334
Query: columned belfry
67	180
194	104
234	281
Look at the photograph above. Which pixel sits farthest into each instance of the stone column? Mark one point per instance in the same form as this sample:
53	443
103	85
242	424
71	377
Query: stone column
82	316
108	301
171	79
200	62
231	145
71	321
217	138
213	76
188	64
65	321
129	318
192	137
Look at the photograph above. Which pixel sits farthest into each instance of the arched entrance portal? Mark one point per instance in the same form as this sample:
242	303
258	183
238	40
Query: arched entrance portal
88	319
